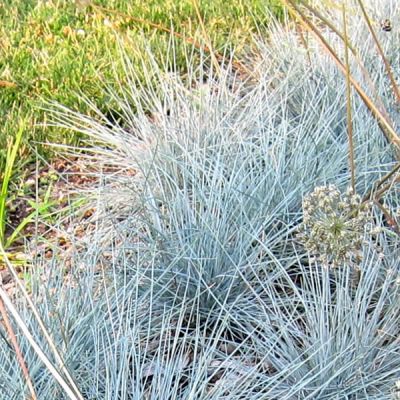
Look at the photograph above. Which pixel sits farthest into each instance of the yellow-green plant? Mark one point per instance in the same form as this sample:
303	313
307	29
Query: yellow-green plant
12	152
6	193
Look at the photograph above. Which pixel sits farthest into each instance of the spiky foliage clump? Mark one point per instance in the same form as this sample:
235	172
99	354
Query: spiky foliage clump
193	285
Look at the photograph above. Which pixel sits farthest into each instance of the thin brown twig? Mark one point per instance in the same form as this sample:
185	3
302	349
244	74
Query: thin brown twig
391	221
360	64
299	30
70	386
205	35
348	105
20	358
29	337
385	126
384	189
7	84
381	53
379	183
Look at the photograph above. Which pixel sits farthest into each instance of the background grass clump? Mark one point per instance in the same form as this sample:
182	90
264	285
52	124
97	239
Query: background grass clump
65	50
193	283
60	50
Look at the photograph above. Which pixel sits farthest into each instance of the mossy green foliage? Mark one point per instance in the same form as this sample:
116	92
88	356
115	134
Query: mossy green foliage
65	50
59	50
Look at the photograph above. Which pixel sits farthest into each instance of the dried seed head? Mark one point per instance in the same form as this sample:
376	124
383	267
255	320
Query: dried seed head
334	225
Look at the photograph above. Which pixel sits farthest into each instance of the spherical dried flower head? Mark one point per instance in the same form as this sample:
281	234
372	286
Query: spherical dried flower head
334	224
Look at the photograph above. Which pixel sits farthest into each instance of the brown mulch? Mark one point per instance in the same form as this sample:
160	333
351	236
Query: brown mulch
65	177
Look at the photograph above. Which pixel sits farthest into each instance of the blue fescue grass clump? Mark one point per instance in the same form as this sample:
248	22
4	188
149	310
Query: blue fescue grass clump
193	284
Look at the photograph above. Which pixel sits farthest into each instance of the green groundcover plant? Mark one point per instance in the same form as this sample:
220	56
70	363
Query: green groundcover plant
202	278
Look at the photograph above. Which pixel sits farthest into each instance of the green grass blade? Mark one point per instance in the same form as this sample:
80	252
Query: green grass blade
28	219
10	161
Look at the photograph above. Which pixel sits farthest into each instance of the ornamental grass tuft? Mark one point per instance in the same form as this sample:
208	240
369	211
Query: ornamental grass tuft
193	284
